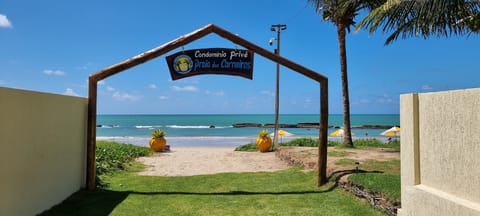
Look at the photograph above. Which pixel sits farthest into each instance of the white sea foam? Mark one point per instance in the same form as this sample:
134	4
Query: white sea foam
108	126
147	126
196	126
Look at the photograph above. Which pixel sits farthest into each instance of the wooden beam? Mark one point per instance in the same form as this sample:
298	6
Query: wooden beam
153	53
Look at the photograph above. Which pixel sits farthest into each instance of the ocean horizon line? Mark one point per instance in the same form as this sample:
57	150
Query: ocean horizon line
146	114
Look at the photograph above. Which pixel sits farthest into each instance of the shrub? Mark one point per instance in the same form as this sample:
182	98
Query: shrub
375	143
307	142
111	156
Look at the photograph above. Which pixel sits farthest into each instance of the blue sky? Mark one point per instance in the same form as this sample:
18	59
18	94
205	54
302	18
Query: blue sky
53	45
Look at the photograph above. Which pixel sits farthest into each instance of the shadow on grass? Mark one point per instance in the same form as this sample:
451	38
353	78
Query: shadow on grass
103	202
229	193
99	202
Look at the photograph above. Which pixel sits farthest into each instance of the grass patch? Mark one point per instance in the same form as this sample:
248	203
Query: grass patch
369	143
250	147
338	153
305	142
334	143
386	184
345	161
312	142
288	192
299	142
388	167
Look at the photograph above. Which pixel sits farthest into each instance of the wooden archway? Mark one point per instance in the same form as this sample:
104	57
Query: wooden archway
181	41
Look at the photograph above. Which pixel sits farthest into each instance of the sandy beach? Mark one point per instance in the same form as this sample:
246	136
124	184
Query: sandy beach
189	161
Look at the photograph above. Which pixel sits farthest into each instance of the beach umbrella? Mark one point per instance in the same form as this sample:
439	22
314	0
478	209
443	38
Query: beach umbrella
339	132
282	133
394	131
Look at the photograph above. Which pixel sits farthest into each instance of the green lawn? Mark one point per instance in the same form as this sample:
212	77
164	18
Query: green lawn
290	192
387	182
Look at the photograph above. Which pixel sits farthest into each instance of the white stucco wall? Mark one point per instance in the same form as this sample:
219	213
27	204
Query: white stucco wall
43	150
440	153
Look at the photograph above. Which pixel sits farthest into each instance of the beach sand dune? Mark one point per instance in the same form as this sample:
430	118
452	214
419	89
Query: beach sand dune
189	161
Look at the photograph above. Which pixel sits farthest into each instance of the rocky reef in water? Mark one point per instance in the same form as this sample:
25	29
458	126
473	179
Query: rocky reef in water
305	125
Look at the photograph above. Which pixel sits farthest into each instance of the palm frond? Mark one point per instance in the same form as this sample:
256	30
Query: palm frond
420	18
342	12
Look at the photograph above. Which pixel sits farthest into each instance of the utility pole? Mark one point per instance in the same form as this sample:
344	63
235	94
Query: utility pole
278	28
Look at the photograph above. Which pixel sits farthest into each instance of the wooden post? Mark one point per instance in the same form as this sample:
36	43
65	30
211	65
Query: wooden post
91	133
323	135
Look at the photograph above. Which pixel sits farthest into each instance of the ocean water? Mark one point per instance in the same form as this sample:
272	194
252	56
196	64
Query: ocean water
195	130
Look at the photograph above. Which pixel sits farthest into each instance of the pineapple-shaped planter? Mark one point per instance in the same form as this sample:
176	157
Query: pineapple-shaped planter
158	141
264	142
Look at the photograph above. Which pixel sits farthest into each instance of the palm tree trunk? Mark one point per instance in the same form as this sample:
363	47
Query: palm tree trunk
341	31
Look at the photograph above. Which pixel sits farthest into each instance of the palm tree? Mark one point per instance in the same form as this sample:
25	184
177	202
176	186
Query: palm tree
342	14
424	18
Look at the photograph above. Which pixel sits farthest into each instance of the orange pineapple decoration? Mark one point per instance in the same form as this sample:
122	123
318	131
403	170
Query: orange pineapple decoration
264	142
158	141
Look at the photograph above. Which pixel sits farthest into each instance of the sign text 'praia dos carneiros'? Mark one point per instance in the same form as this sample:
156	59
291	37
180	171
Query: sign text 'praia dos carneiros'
235	62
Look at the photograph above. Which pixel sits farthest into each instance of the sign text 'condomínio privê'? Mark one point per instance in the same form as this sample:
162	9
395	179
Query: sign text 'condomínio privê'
235	62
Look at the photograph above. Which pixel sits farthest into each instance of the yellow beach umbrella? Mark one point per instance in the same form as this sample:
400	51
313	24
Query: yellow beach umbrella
284	133
394	131
339	132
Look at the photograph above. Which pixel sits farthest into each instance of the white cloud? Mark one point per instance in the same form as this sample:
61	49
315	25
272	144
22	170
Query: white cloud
110	89
307	103
185	88
189	80
85	66
385	99
2	82
122	96
163	97
268	93
101	82
70	92
217	93
152	86
4	22
361	101
54	72
427	87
